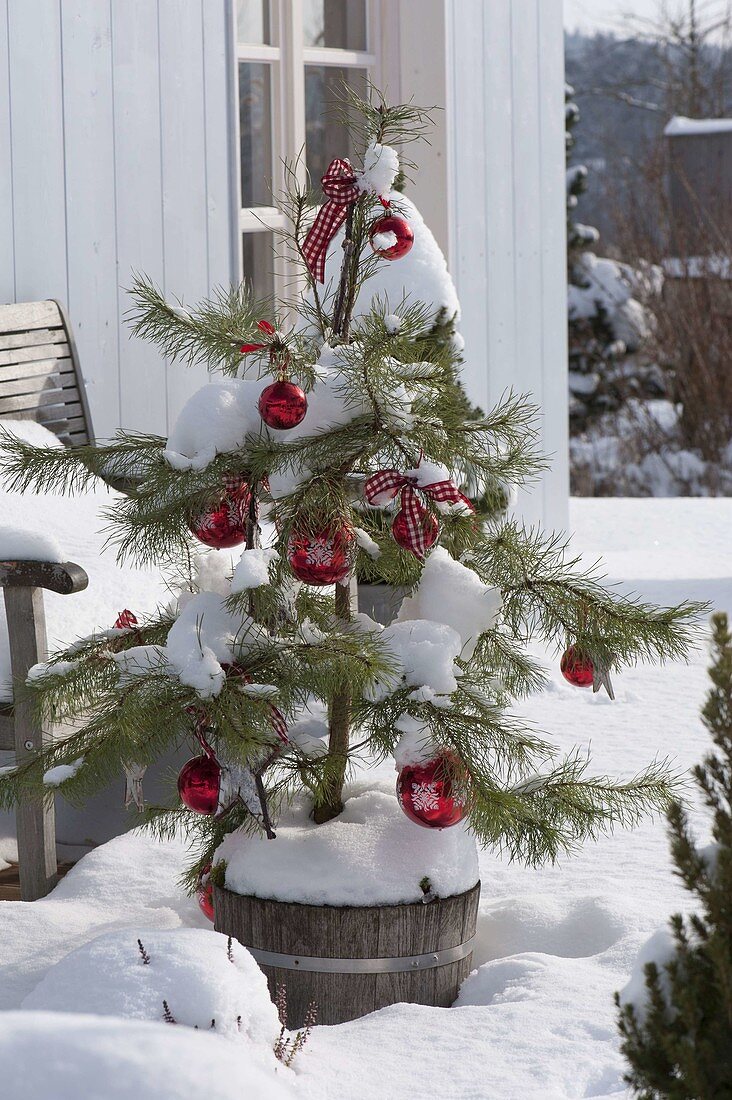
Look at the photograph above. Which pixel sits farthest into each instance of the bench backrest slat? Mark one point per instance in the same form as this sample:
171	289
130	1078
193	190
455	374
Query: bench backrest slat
40	378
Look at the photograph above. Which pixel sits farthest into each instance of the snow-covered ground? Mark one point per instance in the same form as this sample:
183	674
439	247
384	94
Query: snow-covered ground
536	1018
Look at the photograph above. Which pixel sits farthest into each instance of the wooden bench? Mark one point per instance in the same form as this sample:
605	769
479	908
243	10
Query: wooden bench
40	380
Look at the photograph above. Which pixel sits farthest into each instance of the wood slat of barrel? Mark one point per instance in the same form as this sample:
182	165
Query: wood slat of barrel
387	931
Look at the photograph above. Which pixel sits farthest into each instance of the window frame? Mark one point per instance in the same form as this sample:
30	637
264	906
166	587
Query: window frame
288	57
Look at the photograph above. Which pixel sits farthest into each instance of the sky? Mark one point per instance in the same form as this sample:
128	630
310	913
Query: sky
591	15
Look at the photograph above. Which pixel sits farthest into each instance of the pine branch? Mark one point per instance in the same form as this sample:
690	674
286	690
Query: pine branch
549	594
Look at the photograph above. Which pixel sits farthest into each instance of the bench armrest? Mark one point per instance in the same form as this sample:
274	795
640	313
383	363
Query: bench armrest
64	577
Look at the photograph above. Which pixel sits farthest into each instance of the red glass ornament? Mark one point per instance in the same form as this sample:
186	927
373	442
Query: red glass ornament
425	793
204	894
400	227
282	405
226	524
198	784
402	534
577	668
322	557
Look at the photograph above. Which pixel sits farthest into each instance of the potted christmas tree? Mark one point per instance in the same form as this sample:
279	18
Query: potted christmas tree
335	436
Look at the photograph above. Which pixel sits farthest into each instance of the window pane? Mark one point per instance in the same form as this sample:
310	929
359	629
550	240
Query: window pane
258	264
340	24
326	136
255	124
252	22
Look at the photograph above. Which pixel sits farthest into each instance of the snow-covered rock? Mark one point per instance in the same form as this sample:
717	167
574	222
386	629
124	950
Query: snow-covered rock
189	968
372	854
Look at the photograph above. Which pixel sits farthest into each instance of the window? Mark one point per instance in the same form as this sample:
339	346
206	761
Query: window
292	55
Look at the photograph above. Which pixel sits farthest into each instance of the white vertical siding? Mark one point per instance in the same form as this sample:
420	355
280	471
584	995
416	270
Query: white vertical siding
7	246
138	201
88	116
505	109
115	123
37	149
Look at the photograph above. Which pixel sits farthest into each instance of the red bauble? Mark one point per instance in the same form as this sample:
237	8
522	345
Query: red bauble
322	557
204	894
282	405
224	525
401	533
400	227
425	793
198	784
577	668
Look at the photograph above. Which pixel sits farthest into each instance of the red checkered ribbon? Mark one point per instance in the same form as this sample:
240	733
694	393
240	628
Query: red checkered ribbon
278	724
339	184
383	487
263	326
125	620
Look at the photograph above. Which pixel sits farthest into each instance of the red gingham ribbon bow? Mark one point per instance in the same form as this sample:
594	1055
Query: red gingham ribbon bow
125	620
387	483
263	326
339	184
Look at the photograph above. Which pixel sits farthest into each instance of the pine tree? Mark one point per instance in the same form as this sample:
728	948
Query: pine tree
607	319
680	1044
233	666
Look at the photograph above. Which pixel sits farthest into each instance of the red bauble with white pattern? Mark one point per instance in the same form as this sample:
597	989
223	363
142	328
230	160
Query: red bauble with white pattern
204	894
198	784
322	557
225	524
577	668
402	535
400	227
426	793
282	405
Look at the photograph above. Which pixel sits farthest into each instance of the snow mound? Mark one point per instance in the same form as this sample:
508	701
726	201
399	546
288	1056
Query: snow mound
16	544
450	593
203	638
659	949
214	420
372	854
681	125
50	1056
420	276
189	968
30	432
380	169
424	654
252	570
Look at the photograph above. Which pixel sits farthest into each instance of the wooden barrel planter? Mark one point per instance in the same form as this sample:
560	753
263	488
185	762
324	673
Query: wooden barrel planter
351	960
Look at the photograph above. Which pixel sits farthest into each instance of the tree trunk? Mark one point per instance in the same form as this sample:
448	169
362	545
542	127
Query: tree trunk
340	712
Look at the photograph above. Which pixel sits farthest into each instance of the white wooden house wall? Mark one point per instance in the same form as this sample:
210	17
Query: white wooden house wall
508	240
492	189
117	152
114	156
